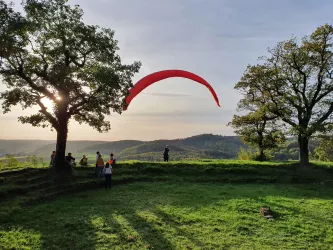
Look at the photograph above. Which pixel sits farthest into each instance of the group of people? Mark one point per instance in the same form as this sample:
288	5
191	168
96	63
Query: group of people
99	160
105	170
70	159
101	169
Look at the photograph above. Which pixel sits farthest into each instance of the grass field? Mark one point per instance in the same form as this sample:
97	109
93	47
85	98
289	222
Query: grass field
180	205
177	216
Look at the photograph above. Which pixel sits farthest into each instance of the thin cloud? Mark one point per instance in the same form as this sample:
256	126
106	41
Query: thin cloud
165	94
186	114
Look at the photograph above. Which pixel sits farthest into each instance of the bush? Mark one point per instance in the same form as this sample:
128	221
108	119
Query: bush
12	162
245	155
249	155
32	160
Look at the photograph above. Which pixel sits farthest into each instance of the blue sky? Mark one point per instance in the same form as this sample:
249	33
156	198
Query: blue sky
215	39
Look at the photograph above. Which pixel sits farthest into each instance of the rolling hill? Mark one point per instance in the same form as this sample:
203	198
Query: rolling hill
72	146
199	146
206	145
21	147
115	147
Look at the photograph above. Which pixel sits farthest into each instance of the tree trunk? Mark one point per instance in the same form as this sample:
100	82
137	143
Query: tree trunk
261	154
261	146
303	144
61	165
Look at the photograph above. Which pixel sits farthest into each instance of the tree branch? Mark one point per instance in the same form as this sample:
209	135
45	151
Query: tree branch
40	89
19	70
84	56
44	111
300	71
320	73
325	116
76	107
46	65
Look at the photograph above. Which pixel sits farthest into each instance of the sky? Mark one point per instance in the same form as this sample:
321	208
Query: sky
215	39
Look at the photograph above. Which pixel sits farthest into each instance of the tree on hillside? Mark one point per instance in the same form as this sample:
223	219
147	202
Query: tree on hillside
258	127
298	80
49	53
324	151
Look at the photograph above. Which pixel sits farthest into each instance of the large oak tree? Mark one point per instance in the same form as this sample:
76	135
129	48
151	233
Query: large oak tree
298	79
49	52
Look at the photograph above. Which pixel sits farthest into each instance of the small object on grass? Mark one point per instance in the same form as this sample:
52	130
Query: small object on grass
131	238
266	212
148	246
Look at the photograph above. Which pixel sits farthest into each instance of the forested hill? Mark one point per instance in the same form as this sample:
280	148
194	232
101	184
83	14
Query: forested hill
207	145
200	146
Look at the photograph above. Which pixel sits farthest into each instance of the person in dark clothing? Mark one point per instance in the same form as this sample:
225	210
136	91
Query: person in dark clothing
97	156
166	154
70	159
52	158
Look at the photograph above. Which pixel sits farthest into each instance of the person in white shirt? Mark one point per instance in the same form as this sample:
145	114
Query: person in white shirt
108	174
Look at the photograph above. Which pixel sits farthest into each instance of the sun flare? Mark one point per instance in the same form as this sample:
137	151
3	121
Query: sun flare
48	103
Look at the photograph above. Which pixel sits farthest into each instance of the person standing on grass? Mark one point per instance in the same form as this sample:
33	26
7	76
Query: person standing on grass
99	166
97	155
52	159
108	174
166	153
112	160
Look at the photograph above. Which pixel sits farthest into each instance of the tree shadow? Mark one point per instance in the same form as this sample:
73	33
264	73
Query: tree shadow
149	234
52	235
77	229
86	221
171	222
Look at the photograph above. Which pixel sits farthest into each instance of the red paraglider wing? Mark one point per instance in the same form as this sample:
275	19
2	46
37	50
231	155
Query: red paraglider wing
164	74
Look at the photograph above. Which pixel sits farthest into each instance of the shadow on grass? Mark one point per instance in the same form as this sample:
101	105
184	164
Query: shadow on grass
171	222
108	217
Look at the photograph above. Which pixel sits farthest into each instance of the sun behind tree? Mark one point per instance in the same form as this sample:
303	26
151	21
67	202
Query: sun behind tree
51	59
48	103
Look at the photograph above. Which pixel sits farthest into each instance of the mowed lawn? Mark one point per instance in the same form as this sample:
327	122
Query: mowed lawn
177	216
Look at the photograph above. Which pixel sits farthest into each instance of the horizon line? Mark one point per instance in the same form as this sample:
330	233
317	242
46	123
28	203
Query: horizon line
120	140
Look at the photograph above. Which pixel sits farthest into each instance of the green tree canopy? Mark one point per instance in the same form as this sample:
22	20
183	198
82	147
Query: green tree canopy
258	127
324	152
298	81
51	53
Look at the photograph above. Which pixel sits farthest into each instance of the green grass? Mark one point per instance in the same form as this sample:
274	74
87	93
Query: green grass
15	163
207	204
177	215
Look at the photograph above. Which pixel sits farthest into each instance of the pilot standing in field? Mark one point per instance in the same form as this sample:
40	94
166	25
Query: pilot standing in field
166	153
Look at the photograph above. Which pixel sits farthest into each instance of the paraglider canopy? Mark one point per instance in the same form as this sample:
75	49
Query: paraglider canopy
164	74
